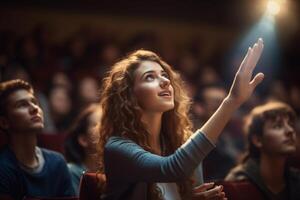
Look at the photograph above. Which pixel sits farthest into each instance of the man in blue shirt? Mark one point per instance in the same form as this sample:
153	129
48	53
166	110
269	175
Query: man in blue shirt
25	169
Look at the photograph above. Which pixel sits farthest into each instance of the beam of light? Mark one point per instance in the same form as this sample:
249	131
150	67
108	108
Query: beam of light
270	60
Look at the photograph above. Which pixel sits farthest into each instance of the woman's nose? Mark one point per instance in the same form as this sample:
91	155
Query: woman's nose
164	82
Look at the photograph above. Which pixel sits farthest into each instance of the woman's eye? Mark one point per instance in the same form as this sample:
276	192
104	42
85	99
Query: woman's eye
166	75
149	77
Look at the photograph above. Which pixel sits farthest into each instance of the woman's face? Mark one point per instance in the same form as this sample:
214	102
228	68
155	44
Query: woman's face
152	88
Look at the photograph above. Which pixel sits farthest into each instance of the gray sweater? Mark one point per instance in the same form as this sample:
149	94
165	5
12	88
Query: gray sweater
129	168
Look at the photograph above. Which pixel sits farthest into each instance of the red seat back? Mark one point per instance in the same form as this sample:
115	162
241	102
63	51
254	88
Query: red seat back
52	141
90	185
236	190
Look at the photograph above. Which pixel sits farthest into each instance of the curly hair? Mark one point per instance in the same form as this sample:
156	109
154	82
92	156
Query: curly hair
122	114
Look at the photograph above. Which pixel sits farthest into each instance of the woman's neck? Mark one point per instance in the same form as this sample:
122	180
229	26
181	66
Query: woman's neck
153	126
272	172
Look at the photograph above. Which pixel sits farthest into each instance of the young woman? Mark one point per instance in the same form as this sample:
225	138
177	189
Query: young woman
145	141
81	144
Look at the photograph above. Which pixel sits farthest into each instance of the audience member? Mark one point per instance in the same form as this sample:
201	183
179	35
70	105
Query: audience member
146	146
81	142
271	140
60	107
27	170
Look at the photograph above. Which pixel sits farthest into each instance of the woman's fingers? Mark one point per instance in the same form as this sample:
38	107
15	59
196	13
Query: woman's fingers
215	192
257	79
203	187
252	57
245	60
243	84
256	53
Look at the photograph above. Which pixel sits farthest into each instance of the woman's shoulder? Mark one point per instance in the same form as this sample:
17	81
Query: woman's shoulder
117	143
116	140
118	149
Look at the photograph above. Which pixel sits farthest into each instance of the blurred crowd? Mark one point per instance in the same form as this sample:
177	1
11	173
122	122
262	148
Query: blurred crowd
67	76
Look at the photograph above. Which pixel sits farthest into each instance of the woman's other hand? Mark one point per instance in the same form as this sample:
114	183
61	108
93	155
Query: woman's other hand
208	191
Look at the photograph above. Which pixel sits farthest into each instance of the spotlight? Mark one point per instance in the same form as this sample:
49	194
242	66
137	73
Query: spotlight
273	7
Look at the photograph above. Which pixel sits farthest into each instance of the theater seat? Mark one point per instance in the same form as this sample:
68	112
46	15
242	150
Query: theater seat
52	141
236	190
90	185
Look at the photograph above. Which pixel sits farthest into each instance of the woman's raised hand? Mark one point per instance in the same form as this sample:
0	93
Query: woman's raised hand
243	84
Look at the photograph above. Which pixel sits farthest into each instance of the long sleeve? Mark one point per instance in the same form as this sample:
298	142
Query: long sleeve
125	161
198	174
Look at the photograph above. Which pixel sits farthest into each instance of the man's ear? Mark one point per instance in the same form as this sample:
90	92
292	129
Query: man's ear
4	123
256	140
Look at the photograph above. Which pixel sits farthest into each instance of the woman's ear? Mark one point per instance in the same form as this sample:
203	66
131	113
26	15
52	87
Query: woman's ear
256	140
83	140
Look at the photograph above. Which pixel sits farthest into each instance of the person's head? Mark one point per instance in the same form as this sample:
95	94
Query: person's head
142	83
208	76
60	101
82	138
87	90
19	108
212	97
109	53
270	130
138	84
61	79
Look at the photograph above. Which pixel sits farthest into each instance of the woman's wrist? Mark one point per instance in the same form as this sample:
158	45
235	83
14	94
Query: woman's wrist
231	103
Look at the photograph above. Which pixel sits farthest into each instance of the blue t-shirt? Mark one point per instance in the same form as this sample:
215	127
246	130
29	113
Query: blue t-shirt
53	180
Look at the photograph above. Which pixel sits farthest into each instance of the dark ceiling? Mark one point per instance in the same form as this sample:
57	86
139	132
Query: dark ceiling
217	12
233	14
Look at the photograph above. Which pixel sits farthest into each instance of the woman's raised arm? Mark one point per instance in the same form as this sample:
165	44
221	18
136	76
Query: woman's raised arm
241	89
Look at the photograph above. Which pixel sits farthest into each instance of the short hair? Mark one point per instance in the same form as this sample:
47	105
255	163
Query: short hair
8	87
257	118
